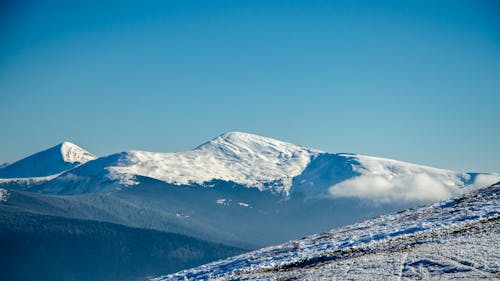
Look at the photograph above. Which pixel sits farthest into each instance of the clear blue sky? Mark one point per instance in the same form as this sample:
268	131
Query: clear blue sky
412	80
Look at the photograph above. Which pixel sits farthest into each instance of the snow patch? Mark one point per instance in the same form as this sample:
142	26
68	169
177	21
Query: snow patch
179	215
4	195
28	181
224	202
72	153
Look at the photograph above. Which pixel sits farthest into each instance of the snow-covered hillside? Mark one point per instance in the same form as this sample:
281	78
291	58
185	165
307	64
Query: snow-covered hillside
271	165
453	239
242	158
54	160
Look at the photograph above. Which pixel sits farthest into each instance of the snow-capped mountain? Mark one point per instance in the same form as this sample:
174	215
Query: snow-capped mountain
454	239
245	159
52	161
271	165
241	158
208	191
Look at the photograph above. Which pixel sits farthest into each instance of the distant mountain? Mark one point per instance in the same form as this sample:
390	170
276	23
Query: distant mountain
280	190
40	247
241	158
270	166
452	240
52	161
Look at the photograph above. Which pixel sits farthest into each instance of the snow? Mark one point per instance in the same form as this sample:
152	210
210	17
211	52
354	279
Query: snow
72	153
257	162
27	181
4	195
241	158
179	215
269	164
445	258
437	240
222	202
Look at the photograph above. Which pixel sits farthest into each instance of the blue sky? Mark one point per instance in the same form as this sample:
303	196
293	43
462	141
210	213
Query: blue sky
412	80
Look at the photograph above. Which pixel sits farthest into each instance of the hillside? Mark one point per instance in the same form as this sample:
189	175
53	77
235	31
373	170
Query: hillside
40	247
453	239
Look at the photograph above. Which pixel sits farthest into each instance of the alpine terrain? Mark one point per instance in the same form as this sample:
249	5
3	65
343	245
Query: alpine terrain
234	193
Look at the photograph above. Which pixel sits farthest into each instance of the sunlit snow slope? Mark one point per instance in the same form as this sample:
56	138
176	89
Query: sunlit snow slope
455	239
237	157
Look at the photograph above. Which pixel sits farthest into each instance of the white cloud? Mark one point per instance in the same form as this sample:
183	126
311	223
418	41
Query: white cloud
407	188
485	180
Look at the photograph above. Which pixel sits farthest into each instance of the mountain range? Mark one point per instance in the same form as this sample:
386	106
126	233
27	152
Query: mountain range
238	190
243	159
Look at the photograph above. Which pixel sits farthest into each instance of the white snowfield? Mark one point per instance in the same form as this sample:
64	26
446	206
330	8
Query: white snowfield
455	239
241	158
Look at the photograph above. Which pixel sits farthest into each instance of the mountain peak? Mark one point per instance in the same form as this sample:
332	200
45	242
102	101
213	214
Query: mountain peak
72	153
239	142
52	161
240	135
67	143
235	136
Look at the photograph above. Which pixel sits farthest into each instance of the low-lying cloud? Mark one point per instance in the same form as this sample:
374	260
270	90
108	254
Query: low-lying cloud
485	180
419	187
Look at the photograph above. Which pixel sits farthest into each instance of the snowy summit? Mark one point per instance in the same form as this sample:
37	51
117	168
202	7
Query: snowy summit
72	153
52	161
241	158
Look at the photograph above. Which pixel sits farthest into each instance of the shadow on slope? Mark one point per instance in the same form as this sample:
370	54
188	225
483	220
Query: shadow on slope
220	211
39	247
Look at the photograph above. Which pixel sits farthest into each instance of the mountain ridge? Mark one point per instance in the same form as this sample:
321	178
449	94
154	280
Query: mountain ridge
209	190
267	164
